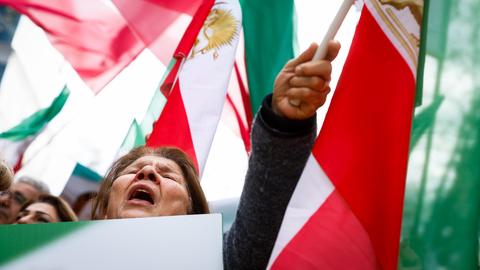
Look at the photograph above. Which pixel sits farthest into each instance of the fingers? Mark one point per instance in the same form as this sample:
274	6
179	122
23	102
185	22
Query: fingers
305	102
314	83
306	56
320	68
333	49
307	95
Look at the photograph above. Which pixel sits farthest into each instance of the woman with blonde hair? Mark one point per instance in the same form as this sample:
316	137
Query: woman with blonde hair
6	175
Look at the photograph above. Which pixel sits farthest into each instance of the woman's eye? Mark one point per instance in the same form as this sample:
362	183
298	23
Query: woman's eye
43	220
131	171
170	177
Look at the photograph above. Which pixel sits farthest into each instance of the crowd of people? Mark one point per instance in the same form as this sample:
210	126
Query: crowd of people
163	181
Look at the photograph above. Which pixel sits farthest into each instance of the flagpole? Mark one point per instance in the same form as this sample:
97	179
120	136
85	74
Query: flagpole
322	49
342	12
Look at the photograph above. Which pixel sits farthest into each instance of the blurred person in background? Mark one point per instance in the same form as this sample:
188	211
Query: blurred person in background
23	190
46	209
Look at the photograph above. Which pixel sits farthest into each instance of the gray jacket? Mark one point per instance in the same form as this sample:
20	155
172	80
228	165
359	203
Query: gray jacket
280	149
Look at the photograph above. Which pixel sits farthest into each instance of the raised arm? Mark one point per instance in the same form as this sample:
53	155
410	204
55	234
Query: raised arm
282	137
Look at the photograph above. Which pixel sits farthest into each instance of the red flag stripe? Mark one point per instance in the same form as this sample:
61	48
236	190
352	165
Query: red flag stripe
201	83
172	127
244	130
196	24
363	150
363	144
245	97
332	238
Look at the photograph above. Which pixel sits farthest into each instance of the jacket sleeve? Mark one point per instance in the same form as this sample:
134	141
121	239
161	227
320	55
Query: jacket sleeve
280	149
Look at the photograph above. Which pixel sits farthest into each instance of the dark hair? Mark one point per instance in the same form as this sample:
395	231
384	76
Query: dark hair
199	203
63	209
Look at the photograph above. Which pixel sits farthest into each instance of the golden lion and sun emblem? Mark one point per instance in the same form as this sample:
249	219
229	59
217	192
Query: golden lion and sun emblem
405	31
415	7
220	29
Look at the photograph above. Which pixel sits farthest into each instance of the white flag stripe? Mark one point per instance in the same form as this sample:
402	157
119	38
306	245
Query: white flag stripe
312	190
12	150
203	84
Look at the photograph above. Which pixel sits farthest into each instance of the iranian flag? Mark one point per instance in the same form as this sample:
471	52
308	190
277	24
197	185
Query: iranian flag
162	37
198	81
346	210
15	141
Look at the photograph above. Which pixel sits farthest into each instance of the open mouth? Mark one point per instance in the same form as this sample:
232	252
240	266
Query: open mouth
142	195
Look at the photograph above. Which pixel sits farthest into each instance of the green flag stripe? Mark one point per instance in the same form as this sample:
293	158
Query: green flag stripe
155	107
424	120
136	133
441	217
135	137
269	43
19	240
37	121
86	173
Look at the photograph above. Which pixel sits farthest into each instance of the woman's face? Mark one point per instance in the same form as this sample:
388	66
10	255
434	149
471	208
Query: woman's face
150	186
38	213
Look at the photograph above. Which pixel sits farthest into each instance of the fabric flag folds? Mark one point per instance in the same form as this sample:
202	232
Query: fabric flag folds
158	23
347	207
269	41
441	216
92	36
15	141
205	59
163	35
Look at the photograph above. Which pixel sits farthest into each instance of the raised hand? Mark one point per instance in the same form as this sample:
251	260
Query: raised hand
301	87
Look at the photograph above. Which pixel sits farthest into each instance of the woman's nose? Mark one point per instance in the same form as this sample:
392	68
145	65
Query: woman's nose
147	173
25	220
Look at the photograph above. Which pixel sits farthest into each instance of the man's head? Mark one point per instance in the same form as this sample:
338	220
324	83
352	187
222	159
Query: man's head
23	190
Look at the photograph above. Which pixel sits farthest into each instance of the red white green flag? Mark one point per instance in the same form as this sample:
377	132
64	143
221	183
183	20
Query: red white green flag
200	77
15	141
160	25
346	210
